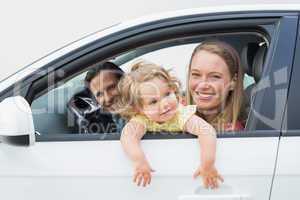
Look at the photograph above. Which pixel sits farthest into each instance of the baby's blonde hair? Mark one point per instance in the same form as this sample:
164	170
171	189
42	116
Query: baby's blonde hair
130	99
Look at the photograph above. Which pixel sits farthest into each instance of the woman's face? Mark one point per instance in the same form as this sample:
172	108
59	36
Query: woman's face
210	81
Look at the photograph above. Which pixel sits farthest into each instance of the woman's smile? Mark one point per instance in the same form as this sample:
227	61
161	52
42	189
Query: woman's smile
203	96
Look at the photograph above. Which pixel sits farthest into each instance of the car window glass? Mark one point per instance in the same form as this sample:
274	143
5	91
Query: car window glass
49	110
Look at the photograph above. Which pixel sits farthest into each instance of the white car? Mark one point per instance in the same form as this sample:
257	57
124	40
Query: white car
41	157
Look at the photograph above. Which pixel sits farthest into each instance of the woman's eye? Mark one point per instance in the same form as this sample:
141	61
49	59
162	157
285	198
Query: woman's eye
216	77
195	75
168	94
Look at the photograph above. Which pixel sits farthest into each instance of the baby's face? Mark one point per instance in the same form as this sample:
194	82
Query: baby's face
158	99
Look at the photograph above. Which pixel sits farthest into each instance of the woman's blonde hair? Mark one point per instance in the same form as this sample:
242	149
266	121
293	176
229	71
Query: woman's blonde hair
142	71
233	106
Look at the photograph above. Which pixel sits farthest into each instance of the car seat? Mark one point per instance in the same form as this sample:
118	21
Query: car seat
252	60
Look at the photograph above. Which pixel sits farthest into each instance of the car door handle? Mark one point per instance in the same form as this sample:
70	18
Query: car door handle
214	197
223	192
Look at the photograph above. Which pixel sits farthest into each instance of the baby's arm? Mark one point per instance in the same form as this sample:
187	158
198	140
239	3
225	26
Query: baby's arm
207	139
130	140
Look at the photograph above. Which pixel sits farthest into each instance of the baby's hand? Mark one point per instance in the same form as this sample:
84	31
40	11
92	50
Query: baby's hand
210	177
142	173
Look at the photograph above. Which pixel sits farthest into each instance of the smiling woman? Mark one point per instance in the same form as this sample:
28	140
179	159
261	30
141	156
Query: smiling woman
215	85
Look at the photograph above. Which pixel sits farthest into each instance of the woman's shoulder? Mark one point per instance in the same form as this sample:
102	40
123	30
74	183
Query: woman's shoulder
238	126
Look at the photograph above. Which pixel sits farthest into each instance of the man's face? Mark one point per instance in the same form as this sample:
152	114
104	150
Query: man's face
104	88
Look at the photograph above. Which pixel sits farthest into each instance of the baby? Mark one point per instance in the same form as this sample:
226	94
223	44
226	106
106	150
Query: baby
149	100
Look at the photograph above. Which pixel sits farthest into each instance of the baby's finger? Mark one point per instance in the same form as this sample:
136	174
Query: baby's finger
140	179
150	178
205	183
210	182
220	178
135	176
145	181
215	183
196	174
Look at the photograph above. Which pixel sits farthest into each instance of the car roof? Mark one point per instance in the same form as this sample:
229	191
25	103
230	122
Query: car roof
216	10
139	21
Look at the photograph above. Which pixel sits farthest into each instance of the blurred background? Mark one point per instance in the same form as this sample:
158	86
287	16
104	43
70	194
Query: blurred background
31	29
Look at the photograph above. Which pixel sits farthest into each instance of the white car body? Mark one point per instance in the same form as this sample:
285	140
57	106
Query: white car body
253	167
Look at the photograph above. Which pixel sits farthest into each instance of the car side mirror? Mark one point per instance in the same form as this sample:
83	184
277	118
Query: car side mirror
16	122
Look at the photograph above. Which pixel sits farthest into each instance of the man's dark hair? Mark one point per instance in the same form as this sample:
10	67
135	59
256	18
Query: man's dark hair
92	73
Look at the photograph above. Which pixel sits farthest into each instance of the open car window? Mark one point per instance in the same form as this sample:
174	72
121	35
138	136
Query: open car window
51	114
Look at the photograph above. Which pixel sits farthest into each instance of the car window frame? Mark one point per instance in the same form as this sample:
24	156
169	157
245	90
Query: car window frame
290	124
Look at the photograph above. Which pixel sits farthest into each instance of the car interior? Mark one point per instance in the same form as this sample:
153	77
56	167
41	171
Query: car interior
251	46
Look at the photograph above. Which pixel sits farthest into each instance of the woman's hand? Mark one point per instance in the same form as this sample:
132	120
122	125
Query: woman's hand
142	173
210	176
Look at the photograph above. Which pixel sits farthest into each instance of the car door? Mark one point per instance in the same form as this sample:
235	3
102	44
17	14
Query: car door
287	176
92	166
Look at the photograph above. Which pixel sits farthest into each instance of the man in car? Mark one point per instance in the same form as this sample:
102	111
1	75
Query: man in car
92	107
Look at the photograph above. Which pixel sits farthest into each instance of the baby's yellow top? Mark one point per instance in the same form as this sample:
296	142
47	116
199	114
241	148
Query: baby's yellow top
175	124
